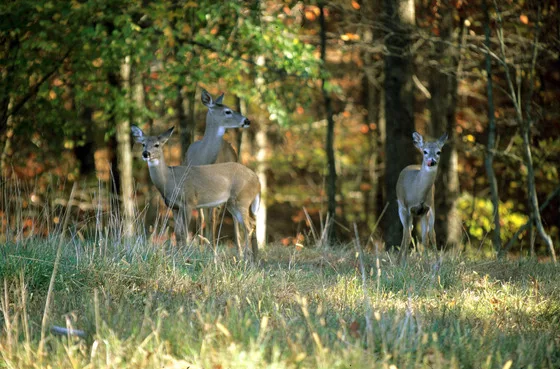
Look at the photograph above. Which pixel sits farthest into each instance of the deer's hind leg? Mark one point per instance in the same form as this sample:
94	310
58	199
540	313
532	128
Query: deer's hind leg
241	215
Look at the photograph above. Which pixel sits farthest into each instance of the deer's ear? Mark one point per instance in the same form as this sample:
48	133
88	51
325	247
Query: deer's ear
220	99
443	139
418	140
206	99
165	135
137	134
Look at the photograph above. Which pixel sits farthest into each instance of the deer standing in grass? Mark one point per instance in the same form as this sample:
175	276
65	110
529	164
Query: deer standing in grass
185	188
415	192
212	148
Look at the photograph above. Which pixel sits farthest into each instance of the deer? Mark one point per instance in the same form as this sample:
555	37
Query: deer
415	192
212	148
185	188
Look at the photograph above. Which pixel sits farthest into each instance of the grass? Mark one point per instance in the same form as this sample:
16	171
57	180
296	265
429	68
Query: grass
144	306
299	309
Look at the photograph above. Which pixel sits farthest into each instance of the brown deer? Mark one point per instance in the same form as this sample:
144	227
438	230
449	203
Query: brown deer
185	188
415	192
213	149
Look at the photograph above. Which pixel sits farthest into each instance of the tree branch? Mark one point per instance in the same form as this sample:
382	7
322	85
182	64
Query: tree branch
33	91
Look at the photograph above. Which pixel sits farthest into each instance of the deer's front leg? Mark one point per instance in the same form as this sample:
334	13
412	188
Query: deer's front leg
431	230
406	221
182	219
208	216
428	232
425	225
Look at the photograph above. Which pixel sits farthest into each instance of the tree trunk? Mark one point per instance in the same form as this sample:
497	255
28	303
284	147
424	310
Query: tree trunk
241	106
373	102
329	146
85	153
124	156
7	132
491	145
399	107
185	117
443	104
261	141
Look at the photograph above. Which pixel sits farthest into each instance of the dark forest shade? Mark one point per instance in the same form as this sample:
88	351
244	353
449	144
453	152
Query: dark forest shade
399	107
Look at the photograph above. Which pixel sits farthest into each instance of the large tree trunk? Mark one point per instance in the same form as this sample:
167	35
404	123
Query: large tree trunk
329	145
443	103
399	107
124	157
491	145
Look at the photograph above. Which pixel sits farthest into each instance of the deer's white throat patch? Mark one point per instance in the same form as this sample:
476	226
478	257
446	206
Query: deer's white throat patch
153	162
221	131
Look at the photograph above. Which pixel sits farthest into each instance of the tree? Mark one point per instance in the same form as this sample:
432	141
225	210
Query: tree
373	101
399	106
491	144
124	155
443	103
329	145
525	119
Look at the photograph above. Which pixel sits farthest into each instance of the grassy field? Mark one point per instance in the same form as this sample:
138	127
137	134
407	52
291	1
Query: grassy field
311	308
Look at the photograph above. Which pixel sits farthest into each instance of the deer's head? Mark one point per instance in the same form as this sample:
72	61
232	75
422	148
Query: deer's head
431	150
152	151
220	115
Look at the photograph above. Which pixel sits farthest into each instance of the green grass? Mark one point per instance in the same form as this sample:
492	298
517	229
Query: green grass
148	308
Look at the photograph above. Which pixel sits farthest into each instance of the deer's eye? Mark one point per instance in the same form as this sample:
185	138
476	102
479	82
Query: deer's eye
228	112
425	152
156	145
439	152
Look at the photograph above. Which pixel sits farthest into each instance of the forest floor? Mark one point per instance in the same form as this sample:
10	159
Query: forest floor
144	307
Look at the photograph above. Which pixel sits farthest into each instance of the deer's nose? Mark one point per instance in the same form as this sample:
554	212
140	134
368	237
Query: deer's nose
145	154
246	123
432	162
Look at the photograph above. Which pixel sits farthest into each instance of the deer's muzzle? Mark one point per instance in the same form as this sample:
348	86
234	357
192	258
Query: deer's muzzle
246	123
145	154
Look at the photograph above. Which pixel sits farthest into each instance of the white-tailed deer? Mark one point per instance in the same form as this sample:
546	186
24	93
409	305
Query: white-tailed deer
185	188
212	148
415	192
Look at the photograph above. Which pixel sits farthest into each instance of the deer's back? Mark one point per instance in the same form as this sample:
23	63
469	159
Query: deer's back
210	183
196	155
227	154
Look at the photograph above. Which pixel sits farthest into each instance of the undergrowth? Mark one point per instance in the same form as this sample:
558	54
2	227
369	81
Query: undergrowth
139	303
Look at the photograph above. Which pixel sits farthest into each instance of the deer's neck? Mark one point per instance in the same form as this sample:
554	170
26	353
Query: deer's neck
160	175
425	178
211	142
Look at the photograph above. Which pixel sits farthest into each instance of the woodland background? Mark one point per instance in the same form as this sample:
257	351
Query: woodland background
334	90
